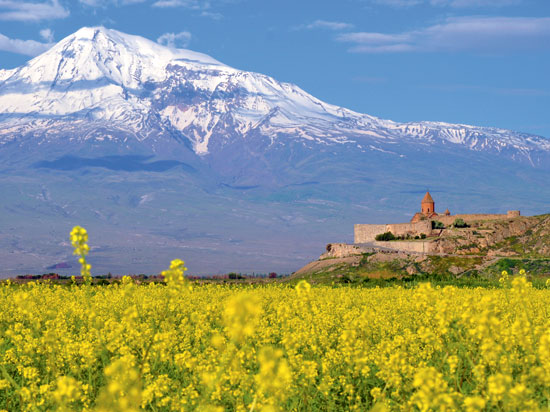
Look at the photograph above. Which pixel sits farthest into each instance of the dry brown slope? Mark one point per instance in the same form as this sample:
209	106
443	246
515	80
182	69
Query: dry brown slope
523	236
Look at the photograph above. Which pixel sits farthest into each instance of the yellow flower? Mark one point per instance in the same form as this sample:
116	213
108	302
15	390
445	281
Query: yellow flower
67	391
123	390
174	276
79	240
453	363
474	403
269	347
241	314
274	376
303	287
497	385
376	393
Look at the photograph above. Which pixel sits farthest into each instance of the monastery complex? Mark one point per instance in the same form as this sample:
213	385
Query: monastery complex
422	223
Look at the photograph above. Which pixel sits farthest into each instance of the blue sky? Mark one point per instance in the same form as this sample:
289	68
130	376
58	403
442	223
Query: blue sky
481	62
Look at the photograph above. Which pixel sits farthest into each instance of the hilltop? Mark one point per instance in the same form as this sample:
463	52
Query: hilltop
482	250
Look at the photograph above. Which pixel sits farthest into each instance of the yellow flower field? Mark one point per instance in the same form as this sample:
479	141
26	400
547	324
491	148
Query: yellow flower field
176	347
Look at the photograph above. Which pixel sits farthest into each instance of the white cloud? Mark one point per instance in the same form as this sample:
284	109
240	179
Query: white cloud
47	35
177	40
188	4
31	11
212	15
105	3
26	47
331	25
474	3
203	6
398	3
92	3
486	34
449	3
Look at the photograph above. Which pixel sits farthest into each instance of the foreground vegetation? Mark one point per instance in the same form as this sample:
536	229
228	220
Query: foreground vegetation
214	347
412	270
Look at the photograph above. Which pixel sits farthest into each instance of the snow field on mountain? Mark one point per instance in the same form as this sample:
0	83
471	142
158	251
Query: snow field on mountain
119	78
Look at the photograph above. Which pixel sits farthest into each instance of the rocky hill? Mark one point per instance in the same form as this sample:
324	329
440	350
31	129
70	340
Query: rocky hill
524	236
482	250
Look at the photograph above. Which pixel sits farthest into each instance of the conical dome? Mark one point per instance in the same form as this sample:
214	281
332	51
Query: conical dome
427	198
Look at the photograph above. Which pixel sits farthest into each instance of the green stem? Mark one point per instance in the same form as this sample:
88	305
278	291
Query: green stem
253	404
9	378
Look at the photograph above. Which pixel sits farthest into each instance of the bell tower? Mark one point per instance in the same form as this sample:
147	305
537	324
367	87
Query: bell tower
427	206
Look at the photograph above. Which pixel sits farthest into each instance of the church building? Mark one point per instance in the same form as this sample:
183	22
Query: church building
427	209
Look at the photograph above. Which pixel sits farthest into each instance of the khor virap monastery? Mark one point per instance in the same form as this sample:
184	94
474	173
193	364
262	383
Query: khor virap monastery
422	223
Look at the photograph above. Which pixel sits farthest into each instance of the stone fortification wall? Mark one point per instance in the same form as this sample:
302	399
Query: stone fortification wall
413	229
367	233
341	250
448	220
410	247
344	250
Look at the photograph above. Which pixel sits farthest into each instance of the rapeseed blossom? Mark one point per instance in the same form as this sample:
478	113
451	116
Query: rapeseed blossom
171	347
131	347
79	240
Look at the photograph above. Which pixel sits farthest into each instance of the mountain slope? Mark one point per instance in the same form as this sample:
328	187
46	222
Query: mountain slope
145	89
172	147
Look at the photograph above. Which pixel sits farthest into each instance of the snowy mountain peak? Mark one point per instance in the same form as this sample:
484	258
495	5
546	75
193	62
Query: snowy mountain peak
93	53
130	87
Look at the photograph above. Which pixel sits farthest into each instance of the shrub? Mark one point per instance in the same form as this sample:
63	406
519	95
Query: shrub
385	236
235	276
460	223
436	224
423	236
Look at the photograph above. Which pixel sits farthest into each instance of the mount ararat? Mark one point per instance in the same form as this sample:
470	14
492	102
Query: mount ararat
165	153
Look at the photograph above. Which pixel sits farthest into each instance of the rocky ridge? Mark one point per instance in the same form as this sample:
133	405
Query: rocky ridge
485	247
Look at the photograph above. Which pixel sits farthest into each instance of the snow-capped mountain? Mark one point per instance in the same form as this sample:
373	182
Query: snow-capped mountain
132	88
164	152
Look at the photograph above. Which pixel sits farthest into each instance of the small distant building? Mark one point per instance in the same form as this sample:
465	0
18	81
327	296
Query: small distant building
422	223
427	209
